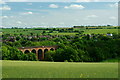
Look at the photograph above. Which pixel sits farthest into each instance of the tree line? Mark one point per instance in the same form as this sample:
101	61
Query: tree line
77	48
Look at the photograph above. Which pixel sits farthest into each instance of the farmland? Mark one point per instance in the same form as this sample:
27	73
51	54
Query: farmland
81	53
54	32
101	31
39	69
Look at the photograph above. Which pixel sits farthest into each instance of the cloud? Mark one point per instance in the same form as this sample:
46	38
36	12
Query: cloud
29	3
53	6
11	16
61	23
92	16
97	0
4	17
2	27
30	12
27	13
62	0
112	17
17	0
5	8
83	0
2	2
19	22
87	0
74	6
113	5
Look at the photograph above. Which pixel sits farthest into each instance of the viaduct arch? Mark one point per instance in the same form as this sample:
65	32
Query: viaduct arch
38	50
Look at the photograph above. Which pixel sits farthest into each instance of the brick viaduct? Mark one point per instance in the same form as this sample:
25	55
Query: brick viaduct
38	50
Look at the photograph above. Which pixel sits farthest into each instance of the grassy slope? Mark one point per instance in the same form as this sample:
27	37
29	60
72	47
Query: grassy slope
37	69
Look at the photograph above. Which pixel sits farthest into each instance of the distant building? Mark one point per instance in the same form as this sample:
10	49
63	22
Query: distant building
109	34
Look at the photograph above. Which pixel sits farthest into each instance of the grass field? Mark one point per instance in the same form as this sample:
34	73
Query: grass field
63	33
101	31
86	31
37	69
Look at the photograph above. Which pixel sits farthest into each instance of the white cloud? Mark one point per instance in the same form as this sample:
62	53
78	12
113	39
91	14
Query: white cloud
61	23
92	16
53	6
17	0
66	7
2	26
97	0
113	5
4	17
27	13
11	16
5	8
42	16
112	17
29	3
87	0
30	12
2	2
83	0
19	22
74	6
62	0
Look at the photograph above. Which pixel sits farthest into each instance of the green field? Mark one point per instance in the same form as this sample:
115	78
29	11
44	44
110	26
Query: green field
86	31
101	31
37	69
63	33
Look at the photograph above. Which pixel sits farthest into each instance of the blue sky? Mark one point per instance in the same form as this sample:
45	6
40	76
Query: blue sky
58	14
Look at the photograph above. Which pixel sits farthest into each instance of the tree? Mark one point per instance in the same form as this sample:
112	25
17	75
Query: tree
31	34
67	53
32	57
49	55
5	53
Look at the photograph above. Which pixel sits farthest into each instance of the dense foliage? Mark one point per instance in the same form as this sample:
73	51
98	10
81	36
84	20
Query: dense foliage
75	48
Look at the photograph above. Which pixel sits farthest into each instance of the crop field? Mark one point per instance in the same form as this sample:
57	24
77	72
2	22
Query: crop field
101	31
63	33
86	31
38	69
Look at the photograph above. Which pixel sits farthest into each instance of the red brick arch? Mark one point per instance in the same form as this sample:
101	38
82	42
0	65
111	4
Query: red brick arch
36	50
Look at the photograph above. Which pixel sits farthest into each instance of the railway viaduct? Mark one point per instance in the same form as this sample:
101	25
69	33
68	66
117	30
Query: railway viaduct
38	50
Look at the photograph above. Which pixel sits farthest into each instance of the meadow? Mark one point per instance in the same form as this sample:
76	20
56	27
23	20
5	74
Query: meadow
40	69
39	32
101	31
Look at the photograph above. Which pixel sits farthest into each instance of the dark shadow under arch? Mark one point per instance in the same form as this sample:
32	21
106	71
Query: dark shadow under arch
46	50
33	51
40	54
27	51
52	49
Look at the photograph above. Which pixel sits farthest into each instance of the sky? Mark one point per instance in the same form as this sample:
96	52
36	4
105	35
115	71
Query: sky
26	13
